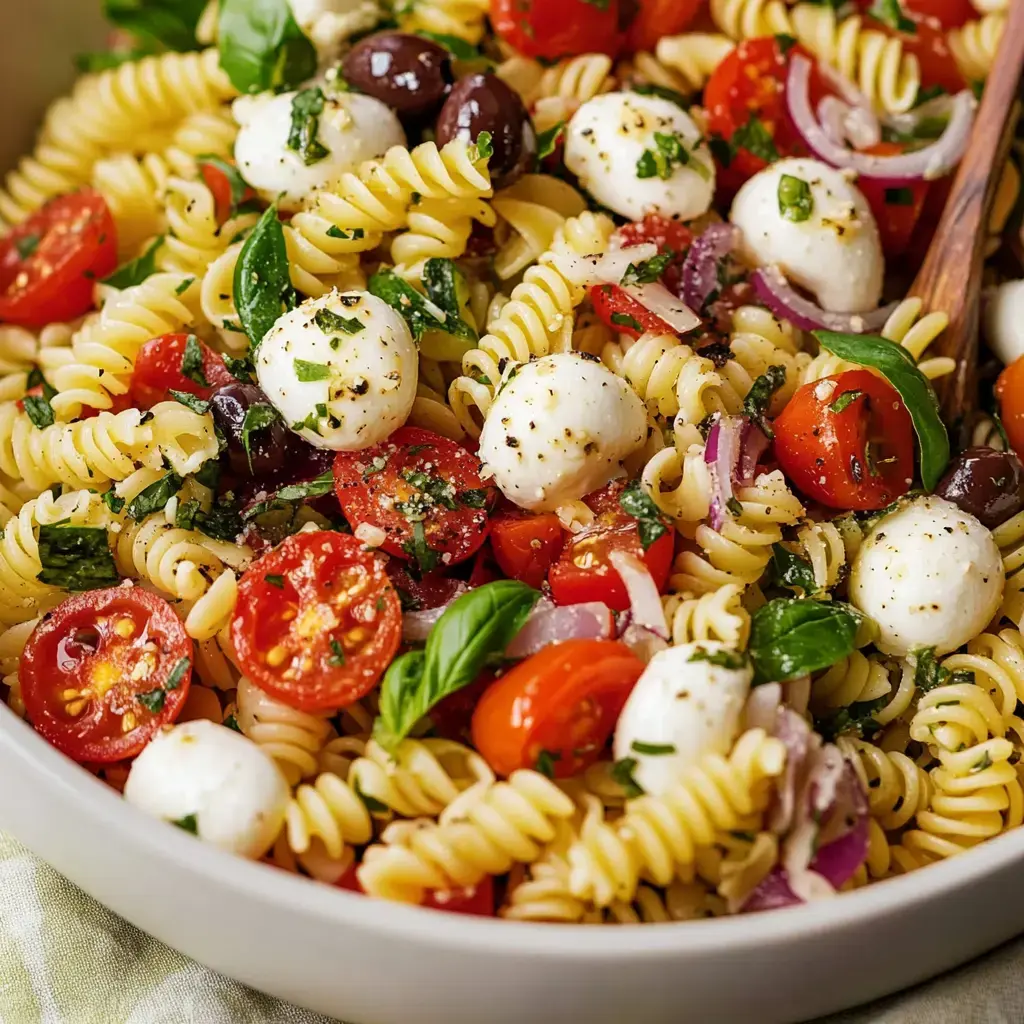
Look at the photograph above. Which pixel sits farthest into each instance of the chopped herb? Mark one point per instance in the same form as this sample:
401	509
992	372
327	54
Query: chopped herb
483	149
27	245
262	47
208	474
323	484
192	362
307	106
652	749
135	271
154	498
275	581
889	12
263	285
856	720
547	141
239	186
670	152
307	372
792	571
735	506
625	320
185	516
197	405
377	464
601	5
545	763
157	24
188	824
635	501
75	557
329	322
458	48
416	547
928	92
178	673
844	400
760	395
622	773
153	700
723	659
258	416
755	138
647	271
337	657
348	236
929	674
38	410
222	522
983	762
785	43
647	89
184	286
413	306
112	501
444	283
371	803
795	199
721	149
476	498
231	722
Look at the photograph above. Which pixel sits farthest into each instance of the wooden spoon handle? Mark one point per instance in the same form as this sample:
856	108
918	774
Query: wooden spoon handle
949	278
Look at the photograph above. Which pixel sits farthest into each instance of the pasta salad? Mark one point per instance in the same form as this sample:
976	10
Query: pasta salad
483	454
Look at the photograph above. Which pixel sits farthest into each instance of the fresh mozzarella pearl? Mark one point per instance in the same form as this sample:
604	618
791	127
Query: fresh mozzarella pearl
235	792
1004	321
328	23
352	127
559	429
835	253
685	705
929	575
609	134
367	378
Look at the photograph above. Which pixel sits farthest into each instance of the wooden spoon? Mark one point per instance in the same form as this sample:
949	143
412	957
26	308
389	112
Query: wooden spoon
950	278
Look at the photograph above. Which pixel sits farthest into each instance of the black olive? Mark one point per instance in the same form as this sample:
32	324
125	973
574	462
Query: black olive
484	103
267	445
412	75
985	483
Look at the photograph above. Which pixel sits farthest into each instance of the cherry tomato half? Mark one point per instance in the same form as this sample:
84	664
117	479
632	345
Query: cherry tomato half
224	195
847	441
897	210
419	594
584	573
50	264
657	18
669	236
526	546
317	621
160	369
1010	393
623	314
559	28
563	701
103	671
422	490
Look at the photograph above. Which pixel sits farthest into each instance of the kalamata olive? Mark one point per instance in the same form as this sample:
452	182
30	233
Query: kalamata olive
412	75
484	103
267	444
987	484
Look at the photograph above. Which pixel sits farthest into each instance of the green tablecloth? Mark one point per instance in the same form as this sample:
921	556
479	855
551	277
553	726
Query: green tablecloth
64	959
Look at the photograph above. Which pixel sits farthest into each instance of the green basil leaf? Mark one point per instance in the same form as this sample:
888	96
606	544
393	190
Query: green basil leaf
263	286
153	700
222	522
792	571
169	23
760	396
654	749
856	720
185	514
135	271
329	322
636	502
262	46
844	400
154	498
239	186
723	659
413	306
307	106
258	416
307	372
662	92
197	405
889	12
188	823
27	244
647	271
94	63
547	141
177	674
444	283
755	138
792	637
473	629
38	410
76	557
322	485
458	48
545	763
622	773
192	362
625	320
899	369
796	202
241	369
112	501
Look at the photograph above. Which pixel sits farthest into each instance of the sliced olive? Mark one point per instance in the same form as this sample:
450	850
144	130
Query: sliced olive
986	483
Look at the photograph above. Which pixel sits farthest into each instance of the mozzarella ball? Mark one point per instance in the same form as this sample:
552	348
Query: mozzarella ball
560	428
1004	321
929	575
683	707
835	253
203	772
611	137
343	386
352	128
328	23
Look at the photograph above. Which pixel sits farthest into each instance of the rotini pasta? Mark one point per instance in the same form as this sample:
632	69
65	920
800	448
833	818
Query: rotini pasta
975	43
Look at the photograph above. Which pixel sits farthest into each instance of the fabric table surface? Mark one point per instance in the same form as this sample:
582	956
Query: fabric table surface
64	959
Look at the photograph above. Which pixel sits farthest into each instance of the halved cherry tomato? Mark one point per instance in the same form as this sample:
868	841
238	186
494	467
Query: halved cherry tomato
422	490
527	545
896	210
158	371
418	594
559	28
563	701
103	671
317	621
657	18
847	441
748	89
669	236
50	264
1010	393
583	572
223	194
622	313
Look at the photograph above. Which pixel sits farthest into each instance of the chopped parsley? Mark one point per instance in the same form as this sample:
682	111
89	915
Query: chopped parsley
795	199
306	371
759	398
329	322
192	362
307	106
669	153
622	773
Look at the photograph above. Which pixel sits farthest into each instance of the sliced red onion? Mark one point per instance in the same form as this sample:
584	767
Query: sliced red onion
722	453
772	894
902	169
700	268
843	123
753	444
939	108
416	626
831	114
762	707
551	624
842	86
663	304
642	642
786	302
644	599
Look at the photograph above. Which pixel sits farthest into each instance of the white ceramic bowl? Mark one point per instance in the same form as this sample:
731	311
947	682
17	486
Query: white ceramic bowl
368	961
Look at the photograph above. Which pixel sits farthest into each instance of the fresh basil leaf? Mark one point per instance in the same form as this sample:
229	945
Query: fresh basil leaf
222	522
755	138
785	43
262	47
622	773
476	498
258	416
197	405
307	106
723	659
274	580
625	320
185	515
444	283
636	502
263	286
208	474
647	271
856	720
899	369
192	362
135	271
76	557
38	410
335	232
547	141
239	186
482	149
188	824
177	674
545	763
26	245
795	199
791	637
792	571
759	397
889	12
153	700
669	153
472	630
458	48
929	674
168	23
413	306
416	547
308	372
154	498
241	369
721	149
323	484
662	92
112	501
94	63
329	322
843	401
337	658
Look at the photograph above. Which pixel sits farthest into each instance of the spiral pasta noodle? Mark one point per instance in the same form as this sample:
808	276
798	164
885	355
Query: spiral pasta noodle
12	643
464	19
860	678
974	45
718	615
896	786
1010	538
749	19
694	55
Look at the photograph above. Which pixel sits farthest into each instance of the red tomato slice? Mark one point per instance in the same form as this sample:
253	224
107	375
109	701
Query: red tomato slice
103	671
559	28
223	194
318	621
847	441
415	594
1010	393
750	84
583	572
526	546
563	701
159	370
50	264
422	490
622	313
657	18
897	210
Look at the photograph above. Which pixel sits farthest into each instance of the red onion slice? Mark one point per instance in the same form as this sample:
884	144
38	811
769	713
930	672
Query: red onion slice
662	303
416	626
753	444
722	454
786	302
644	599
843	123
551	624
926	164
700	268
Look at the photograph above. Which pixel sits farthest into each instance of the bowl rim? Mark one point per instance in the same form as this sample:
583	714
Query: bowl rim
456	933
